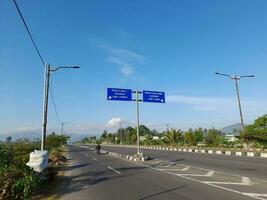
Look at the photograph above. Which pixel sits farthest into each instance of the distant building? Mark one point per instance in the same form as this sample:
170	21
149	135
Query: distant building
142	138
155	137
230	138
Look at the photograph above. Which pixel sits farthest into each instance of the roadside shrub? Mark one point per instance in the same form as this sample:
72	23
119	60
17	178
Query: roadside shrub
54	141
17	181
26	184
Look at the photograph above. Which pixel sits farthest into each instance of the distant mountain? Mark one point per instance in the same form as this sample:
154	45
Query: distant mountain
232	129
37	135
15	136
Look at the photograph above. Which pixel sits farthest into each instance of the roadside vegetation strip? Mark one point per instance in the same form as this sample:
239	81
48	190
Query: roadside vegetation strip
19	181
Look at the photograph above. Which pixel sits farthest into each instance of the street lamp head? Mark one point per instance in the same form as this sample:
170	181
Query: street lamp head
247	76
222	74
76	67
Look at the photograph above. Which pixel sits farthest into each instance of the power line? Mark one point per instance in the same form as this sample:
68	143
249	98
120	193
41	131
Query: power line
51	93
29	33
24	22
40	56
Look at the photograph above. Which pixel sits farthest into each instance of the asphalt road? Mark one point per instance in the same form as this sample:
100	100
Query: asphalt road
253	167
91	176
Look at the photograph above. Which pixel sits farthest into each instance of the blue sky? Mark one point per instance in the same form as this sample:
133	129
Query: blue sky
172	46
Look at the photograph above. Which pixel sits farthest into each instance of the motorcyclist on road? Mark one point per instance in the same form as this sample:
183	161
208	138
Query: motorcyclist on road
98	147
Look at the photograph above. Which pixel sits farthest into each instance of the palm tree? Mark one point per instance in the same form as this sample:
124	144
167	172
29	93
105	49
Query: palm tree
148	139
173	136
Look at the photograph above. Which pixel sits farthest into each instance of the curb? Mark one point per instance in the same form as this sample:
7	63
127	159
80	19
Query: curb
217	152
126	157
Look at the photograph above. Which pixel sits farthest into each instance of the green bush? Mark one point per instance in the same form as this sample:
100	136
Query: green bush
17	180
26	185
54	141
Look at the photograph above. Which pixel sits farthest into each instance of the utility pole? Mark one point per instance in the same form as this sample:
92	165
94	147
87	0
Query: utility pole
45	103
62	127
236	79
47	73
167	125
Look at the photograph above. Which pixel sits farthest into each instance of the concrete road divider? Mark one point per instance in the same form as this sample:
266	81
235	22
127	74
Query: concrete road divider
128	157
213	151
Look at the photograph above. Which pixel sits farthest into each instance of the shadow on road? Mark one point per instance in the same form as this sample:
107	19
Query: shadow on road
83	179
78	150
163	192
76	166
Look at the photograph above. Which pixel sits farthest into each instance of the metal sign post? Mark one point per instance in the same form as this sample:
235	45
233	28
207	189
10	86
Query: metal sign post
117	94
138	120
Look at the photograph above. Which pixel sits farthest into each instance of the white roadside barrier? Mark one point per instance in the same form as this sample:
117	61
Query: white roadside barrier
218	152
250	154
233	152
38	160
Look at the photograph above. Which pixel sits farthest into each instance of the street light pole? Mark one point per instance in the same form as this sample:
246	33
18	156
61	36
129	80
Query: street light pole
240	108
47	72
236	79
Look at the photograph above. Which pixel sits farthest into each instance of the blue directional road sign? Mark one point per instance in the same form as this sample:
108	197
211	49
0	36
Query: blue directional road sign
153	96
117	94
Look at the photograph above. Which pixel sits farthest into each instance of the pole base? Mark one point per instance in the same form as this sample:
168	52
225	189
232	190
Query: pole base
245	146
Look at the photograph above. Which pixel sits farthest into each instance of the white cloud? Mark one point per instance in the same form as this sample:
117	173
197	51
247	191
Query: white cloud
127	54
123	53
213	103
115	60
127	70
124	59
114	122
123	34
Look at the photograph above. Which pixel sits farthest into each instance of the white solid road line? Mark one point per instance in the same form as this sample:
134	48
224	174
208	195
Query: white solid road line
170	169
170	164
94	159
255	196
186	168
114	170
179	170
209	174
245	181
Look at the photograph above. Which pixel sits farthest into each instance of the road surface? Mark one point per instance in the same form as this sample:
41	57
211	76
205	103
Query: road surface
168	176
255	167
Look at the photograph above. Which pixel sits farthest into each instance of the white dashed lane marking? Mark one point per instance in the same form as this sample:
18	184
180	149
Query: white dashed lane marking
94	158
114	170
